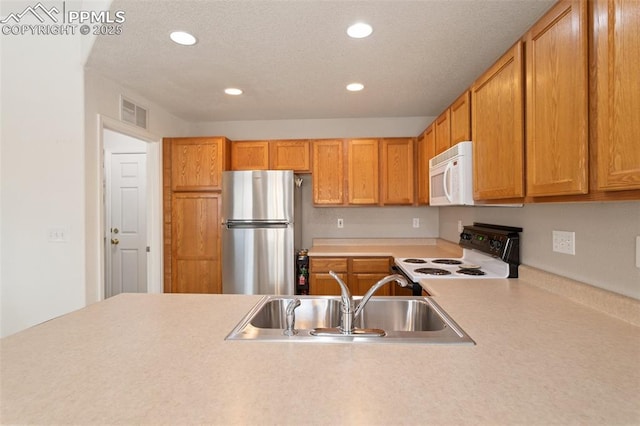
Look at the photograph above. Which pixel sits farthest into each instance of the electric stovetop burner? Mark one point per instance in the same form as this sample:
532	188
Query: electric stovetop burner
475	272
447	261
433	271
414	261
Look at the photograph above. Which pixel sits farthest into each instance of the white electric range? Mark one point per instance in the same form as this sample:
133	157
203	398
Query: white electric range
489	251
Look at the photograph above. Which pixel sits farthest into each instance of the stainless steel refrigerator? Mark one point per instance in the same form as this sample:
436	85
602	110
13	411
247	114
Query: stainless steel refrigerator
257	232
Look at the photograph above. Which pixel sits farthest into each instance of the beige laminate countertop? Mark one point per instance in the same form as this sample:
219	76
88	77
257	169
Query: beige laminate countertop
149	359
393	247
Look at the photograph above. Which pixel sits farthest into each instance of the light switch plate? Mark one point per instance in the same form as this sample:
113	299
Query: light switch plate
340	223
564	242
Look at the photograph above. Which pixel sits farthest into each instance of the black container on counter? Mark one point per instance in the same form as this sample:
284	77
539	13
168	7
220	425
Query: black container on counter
302	272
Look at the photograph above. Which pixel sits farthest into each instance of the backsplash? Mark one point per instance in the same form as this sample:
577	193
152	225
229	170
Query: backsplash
605	235
361	222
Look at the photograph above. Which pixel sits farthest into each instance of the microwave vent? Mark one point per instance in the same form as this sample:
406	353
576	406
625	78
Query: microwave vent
132	113
462	148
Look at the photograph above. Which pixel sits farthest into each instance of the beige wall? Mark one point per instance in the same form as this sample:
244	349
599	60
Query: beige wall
102	98
315	129
363	222
605	238
41	182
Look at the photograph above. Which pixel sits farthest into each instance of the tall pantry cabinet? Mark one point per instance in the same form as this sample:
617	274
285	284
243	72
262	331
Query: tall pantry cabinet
192	179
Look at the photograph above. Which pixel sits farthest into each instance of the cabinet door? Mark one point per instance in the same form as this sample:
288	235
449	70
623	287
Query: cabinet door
397	171
461	118
290	155
250	155
557	109
497	123
197	163
443	132
326	264
322	284
195	243
426	151
617	93
359	284
363	166
328	172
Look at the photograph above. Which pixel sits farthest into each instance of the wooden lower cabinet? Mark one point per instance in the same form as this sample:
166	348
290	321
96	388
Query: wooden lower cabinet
195	248
359	273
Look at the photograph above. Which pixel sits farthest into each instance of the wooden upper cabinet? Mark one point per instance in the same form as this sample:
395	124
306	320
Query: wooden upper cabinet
328	172
616	95
425	152
556	102
363	166
197	163
250	155
195	248
397	171
460	112
443	131
290	155
497	128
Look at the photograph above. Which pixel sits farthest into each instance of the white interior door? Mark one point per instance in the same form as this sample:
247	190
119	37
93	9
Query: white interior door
127	233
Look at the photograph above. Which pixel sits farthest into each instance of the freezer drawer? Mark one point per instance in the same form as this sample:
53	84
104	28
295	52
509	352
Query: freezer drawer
257	260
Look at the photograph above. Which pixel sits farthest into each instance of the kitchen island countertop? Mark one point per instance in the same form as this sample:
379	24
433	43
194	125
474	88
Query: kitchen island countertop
143	358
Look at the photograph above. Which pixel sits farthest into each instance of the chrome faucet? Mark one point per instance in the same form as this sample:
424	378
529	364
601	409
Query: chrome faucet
351	312
290	329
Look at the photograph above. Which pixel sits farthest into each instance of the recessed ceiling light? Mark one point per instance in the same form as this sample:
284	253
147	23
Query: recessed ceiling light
183	38
233	91
359	30
355	87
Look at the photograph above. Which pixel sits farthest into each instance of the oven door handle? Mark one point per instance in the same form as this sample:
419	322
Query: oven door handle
447	172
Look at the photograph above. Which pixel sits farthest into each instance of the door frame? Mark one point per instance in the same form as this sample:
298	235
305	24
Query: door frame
154	201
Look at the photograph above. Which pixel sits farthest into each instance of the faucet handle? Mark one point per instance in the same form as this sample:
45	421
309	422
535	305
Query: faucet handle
345	294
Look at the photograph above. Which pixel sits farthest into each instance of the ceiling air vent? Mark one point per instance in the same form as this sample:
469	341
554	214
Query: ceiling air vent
132	113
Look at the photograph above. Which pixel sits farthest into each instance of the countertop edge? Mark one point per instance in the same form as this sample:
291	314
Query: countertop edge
613	304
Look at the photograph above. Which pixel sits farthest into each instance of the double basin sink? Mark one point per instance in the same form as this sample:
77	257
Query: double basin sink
409	319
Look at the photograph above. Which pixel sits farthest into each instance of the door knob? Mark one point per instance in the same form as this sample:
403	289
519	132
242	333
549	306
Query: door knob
115	241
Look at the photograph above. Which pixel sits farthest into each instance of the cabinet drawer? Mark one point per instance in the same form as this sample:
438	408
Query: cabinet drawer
326	264
370	265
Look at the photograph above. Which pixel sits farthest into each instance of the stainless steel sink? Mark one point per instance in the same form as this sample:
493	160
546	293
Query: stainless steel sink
404	320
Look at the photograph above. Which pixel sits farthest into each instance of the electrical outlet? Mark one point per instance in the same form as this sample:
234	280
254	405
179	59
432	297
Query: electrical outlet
340	223
638	251
564	242
57	235
460	227
416	222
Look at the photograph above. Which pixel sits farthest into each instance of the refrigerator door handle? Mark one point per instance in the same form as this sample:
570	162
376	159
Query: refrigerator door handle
252	225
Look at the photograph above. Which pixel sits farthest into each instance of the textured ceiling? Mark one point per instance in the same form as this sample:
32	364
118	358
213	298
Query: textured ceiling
293	58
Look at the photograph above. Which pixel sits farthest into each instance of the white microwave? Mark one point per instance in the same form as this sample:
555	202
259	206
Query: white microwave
451	176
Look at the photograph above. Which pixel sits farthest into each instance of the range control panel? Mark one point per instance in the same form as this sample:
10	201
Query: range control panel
495	240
